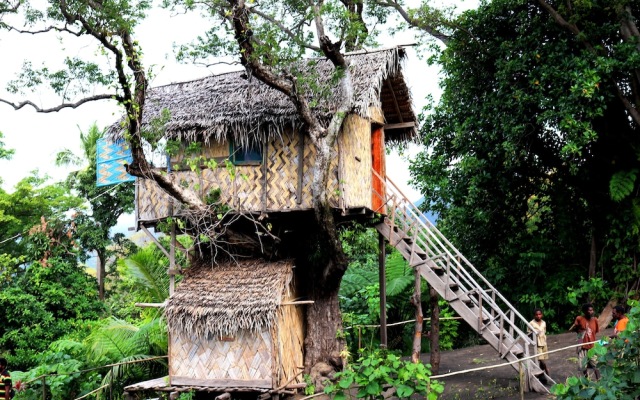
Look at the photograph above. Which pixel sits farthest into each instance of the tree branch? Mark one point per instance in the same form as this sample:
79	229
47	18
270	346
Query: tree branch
283	28
8	8
415	22
572	28
18	106
45	30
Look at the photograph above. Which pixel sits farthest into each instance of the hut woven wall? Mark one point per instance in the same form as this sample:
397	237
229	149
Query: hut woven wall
290	339
355	162
250	191
245	357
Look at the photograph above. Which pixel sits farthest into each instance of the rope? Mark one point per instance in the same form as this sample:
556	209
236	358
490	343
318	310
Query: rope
401	323
92	392
508	363
92	369
486	367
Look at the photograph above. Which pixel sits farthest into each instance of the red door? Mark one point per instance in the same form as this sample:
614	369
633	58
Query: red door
378	165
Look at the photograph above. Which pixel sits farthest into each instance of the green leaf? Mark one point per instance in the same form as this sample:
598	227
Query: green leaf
404	391
622	184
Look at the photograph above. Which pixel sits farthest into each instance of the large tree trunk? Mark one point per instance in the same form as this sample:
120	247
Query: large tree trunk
324	320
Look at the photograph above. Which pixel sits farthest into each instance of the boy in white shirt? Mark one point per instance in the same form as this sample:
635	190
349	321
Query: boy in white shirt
540	330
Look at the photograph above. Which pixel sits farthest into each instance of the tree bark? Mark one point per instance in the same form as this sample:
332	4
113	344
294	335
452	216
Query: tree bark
435	331
321	344
592	258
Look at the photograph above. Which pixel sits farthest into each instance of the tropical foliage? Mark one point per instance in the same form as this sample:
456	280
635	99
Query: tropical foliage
532	151
375	371
360	296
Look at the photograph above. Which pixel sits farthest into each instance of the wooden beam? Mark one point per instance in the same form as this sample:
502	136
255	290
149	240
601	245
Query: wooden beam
300	166
402	125
221	383
151	305
295	303
383	290
164	251
395	100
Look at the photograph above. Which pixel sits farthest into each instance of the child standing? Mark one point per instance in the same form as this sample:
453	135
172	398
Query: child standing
540	330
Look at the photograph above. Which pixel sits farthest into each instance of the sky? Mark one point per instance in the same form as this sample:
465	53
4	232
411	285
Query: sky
37	137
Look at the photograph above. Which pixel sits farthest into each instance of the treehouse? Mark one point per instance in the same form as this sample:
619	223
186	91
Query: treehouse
235	120
240	325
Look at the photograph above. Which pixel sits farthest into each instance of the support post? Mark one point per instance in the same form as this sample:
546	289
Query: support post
172	255
383	290
416	300
435	331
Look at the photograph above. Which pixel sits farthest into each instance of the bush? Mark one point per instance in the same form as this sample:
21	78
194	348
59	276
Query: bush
378	370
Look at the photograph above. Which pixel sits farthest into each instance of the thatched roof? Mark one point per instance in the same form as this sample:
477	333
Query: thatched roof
218	300
233	104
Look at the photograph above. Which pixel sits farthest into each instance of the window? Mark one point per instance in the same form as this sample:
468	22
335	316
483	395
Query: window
246	155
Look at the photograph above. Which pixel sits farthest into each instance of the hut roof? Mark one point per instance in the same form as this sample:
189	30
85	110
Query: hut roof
233	104
219	300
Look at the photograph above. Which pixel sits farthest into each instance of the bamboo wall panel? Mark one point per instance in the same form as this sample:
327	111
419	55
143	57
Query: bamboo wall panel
290	339
355	165
377	115
282	173
247	357
247	193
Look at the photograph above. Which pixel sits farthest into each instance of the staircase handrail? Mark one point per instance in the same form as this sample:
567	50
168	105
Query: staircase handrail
418	217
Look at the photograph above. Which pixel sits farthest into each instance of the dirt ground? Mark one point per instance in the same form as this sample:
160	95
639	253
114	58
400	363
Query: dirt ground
501	382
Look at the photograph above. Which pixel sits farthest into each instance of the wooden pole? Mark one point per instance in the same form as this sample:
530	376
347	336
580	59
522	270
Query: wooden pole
383	290
172	253
522	383
435	331
111	385
416	300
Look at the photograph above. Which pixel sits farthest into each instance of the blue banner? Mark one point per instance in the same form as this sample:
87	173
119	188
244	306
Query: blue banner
111	159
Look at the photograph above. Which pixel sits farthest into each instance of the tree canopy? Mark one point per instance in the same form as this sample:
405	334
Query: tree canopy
533	152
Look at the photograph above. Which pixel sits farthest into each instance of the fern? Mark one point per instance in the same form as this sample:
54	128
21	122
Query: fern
622	184
355	279
399	275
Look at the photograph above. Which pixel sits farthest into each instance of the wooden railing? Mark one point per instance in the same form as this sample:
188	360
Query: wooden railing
449	272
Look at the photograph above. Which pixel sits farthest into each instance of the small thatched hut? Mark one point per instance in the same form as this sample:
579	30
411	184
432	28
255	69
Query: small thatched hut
239	119
232	326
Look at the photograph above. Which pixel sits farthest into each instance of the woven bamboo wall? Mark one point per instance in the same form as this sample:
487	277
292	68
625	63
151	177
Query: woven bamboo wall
290	339
247	192
247	357
355	162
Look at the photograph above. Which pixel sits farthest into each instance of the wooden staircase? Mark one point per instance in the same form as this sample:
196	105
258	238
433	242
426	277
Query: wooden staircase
458	282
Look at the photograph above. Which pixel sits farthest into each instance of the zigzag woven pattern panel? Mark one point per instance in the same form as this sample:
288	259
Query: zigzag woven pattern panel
111	158
153	203
282	173
248	356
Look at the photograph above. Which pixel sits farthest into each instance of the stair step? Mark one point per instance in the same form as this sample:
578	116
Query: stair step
421	254
408	240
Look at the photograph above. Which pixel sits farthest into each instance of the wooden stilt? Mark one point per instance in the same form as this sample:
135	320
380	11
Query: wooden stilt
383	290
